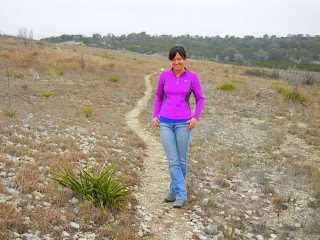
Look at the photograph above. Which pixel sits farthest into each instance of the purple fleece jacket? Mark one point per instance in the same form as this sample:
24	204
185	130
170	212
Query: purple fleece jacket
172	95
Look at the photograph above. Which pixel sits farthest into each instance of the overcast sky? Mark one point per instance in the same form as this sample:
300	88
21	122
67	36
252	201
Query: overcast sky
195	17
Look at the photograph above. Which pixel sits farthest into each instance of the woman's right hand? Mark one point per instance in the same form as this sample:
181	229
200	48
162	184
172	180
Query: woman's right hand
155	122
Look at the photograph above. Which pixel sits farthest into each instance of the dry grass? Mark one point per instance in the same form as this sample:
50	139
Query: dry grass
47	130
253	141
256	144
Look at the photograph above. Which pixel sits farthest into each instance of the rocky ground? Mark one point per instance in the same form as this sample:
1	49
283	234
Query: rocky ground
251	176
254	158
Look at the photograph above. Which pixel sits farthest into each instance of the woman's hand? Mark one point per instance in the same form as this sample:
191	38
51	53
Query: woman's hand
192	123
155	122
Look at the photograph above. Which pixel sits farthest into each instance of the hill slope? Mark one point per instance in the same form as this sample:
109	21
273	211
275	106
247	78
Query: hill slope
254	156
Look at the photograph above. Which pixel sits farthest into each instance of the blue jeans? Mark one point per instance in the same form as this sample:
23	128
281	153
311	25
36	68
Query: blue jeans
175	139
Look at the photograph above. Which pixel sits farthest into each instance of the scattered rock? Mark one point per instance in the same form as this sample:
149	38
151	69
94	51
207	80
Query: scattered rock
74	225
147	218
74	200
37	194
65	234
140	233
205	201
259	237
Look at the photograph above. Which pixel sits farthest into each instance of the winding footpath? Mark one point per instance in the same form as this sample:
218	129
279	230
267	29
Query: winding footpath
158	219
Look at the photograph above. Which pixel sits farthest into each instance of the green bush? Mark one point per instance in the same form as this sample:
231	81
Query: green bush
53	63
60	72
16	75
226	87
113	79
87	111
293	95
101	188
47	94
105	56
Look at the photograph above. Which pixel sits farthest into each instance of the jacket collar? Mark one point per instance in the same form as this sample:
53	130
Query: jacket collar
182	73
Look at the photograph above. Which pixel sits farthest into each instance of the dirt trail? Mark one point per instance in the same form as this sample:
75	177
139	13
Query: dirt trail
163	221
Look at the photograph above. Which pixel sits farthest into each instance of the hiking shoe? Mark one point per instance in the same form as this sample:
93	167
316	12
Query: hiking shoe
170	197
178	203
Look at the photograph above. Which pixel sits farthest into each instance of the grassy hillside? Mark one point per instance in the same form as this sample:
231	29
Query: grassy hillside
254	156
46	130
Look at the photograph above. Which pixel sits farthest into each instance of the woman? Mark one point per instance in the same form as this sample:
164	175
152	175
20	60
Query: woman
173	116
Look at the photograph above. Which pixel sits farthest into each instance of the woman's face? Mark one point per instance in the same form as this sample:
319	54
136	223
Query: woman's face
178	63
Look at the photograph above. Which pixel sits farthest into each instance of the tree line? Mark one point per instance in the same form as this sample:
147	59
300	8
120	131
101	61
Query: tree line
300	51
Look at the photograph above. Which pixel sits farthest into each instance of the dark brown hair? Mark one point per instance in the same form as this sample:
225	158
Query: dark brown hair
177	49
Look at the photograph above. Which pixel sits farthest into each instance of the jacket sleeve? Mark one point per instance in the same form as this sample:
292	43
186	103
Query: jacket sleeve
196	89
159	98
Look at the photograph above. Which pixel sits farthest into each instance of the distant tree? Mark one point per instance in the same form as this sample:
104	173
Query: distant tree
238	57
25	35
96	36
270	50
261	55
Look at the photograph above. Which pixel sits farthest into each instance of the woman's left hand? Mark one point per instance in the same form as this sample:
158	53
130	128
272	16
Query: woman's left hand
192	123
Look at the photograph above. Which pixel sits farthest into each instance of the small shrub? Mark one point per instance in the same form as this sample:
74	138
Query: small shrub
4	55
226	75
47	94
16	75
293	95
35	53
113	79
87	111
226	87
105	56
308	79
101	188
9	113
53	63
262	73
315	94
24	87
222	182
238	81
111	65
60	73
212	70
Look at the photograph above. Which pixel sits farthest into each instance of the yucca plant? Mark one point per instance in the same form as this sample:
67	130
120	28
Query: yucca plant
47	94
9	113
87	111
102	188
